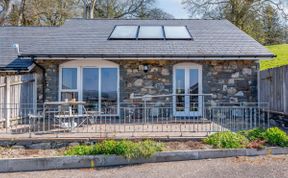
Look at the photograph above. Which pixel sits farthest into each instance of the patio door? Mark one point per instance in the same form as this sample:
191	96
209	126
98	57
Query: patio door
187	88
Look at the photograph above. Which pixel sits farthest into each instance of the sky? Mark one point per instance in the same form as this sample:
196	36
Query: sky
173	7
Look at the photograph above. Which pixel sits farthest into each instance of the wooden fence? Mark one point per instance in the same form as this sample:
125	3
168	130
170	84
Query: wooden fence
273	88
15	91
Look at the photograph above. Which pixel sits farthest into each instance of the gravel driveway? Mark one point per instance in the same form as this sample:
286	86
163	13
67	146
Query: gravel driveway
242	167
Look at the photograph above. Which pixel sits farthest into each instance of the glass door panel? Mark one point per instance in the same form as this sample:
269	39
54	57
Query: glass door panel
193	89
109	86
186	88
180	89
91	88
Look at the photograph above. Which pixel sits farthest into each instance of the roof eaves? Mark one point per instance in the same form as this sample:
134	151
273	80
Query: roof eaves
257	56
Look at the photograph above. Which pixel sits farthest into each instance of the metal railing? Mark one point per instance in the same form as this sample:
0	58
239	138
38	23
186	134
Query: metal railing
136	119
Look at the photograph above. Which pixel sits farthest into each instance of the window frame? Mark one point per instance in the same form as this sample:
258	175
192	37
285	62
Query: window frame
80	65
61	90
151	38
191	38
114	28
61	86
163	32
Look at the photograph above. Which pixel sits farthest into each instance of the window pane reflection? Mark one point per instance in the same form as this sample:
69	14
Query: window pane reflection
91	88
109	97
180	89
68	96
176	32
69	78
193	89
150	32
124	32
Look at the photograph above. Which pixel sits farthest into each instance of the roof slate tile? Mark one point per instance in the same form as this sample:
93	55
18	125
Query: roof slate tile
90	37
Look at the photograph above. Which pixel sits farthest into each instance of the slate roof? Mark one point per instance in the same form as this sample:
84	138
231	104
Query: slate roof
89	38
18	64
26	37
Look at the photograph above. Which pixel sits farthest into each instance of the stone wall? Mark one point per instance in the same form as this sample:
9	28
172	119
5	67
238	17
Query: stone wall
228	81
231	81
133	79
52	80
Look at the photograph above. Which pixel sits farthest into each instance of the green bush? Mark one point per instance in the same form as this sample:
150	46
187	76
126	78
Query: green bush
253	134
147	148
226	140
275	136
106	147
125	148
79	150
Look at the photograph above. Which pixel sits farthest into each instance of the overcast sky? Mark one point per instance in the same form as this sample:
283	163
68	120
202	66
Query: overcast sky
173	7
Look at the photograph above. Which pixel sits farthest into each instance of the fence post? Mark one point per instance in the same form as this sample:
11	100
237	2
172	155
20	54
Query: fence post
7	102
258	85
285	90
34	91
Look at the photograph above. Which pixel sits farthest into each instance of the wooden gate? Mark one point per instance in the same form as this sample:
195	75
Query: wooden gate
273	88
15	91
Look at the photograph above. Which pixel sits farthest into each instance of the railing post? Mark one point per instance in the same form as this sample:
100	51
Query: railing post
34	92
285	104
145	111
7	102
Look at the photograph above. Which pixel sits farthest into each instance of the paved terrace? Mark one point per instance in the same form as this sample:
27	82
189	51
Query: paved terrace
117	131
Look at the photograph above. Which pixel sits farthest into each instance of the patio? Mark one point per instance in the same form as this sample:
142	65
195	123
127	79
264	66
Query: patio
143	121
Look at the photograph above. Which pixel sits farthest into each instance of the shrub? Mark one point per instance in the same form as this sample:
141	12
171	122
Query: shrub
226	139
106	147
79	150
253	134
147	148
276	137
125	148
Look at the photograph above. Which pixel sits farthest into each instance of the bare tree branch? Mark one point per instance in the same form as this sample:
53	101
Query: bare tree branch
7	7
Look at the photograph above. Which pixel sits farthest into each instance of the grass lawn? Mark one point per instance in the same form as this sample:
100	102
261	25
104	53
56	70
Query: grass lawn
282	57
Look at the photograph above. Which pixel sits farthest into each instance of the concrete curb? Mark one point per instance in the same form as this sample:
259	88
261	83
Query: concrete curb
73	162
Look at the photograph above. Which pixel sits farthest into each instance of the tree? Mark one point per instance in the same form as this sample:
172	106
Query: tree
238	8
157	13
89	8
272	26
141	9
51	13
6	9
54	12
37	12
245	14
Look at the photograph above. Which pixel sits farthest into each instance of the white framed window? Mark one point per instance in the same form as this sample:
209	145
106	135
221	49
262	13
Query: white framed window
69	83
96	82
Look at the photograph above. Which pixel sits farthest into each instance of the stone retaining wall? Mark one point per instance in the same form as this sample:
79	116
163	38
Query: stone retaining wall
279	120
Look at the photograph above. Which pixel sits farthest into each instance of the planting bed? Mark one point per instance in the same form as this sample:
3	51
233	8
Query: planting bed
20	152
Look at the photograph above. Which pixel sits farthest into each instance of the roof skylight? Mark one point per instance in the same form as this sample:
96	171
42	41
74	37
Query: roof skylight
150	32
176	32
144	32
124	32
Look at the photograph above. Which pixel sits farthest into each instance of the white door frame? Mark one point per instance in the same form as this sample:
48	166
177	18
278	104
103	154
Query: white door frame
80	65
187	67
